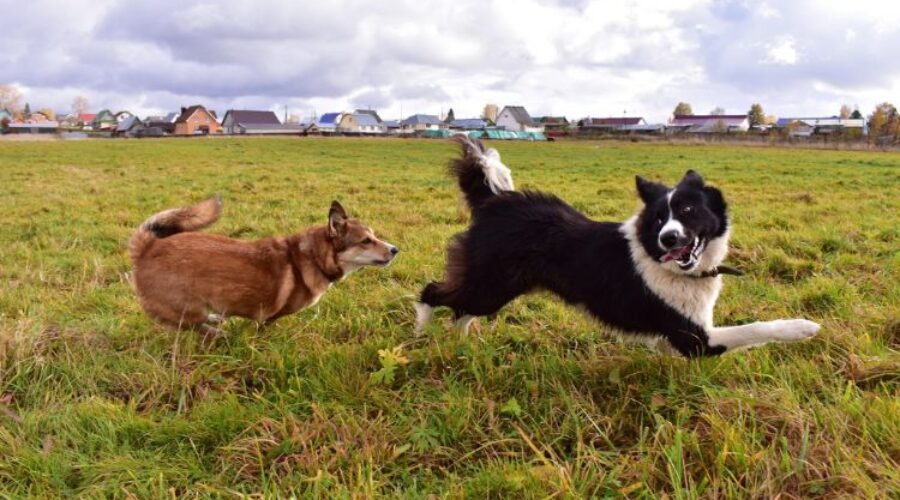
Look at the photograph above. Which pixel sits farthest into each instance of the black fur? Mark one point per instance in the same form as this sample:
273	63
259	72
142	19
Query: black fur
524	241
707	218
164	230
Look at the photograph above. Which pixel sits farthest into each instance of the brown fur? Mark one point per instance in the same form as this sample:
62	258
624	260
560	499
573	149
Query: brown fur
181	276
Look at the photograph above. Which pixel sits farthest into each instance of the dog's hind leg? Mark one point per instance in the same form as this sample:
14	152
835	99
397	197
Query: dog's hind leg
423	316
463	323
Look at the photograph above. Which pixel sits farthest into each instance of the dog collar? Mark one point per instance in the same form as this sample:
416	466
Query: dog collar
712	273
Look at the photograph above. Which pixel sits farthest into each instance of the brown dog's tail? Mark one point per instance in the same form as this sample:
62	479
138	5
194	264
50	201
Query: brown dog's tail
174	221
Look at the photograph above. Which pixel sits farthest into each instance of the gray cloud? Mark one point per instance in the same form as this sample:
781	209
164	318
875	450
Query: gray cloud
571	57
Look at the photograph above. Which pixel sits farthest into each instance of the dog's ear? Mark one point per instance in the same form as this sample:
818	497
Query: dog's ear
337	219
648	190
692	179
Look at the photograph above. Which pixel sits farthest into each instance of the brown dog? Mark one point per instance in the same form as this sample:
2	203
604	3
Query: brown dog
188	279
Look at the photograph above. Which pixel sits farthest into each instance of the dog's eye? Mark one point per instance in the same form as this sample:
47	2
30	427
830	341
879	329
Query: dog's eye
687	209
659	222
366	241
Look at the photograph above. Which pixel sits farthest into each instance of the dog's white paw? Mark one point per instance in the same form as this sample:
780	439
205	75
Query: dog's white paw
792	330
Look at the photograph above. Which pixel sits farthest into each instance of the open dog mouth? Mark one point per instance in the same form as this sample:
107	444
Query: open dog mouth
686	256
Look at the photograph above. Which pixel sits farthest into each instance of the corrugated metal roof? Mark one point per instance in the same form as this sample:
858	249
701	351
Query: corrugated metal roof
824	121
365	120
421	120
614	121
469	123
127	123
704	119
252	117
328	119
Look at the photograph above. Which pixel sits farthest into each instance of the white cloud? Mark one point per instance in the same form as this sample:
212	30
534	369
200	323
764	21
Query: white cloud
783	51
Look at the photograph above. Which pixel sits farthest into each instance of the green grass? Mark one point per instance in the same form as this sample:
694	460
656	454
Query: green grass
98	401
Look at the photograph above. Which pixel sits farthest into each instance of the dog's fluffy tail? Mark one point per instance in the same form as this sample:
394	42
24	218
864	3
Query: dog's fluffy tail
173	221
479	172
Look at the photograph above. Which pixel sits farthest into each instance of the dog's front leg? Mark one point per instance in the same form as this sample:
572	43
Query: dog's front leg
761	332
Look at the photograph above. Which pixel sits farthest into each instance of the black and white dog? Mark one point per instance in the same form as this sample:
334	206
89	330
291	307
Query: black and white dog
655	276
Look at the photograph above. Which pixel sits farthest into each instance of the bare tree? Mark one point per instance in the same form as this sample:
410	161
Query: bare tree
10	97
80	105
845	111
718	110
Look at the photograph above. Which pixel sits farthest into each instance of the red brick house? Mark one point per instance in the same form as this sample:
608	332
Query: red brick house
196	120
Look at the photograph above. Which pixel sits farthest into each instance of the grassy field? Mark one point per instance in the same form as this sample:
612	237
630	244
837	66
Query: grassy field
341	400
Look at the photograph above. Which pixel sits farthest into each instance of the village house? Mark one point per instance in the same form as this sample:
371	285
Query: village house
391	126
248	122
44	127
421	123
85	121
36	117
468	124
360	123
161	125
554	126
370	112
123	115
707	124
805	127
610	123
516	118
131	126
327	123
196	120
104	120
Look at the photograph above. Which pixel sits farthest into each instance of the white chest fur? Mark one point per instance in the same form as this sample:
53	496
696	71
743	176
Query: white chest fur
693	297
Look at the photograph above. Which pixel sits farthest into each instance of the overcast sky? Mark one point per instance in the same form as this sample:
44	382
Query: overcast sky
568	57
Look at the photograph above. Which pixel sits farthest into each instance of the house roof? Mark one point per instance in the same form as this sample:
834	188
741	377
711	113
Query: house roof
550	120
613	121
252	118
126	124
42	125
469	123
823	121
365	120
371	112
87	117
705	119
391	123
421	120
187	112
104	115
519	115
328	119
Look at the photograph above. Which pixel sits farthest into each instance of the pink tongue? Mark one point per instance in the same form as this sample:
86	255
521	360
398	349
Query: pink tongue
676	254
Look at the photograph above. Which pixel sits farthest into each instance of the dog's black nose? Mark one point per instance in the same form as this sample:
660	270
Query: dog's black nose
669	238
394	250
